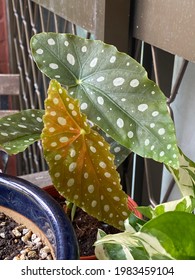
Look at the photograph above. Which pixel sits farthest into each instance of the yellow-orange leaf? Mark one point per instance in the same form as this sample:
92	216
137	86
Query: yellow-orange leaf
81	165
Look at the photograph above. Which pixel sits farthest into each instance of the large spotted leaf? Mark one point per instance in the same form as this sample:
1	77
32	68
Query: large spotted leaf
113	91
20	130
120	152
81	165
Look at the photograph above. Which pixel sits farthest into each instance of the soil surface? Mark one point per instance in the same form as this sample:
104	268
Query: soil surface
86	228
19	243
20	247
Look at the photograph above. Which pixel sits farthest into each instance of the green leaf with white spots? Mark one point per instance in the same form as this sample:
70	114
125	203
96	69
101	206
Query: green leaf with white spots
185	204
79	159
20	130
185	175
120	152
113	90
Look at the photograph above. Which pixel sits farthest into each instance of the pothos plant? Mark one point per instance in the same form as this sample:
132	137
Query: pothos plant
100	107
167	234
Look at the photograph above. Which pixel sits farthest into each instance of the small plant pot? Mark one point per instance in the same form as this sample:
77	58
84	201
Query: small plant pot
29	205
131	204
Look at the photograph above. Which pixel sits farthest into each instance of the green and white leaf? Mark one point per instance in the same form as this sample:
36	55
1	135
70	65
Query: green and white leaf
185	204
175	232
127	246
113	90
185	175
168	236
20	130
107	250
133	223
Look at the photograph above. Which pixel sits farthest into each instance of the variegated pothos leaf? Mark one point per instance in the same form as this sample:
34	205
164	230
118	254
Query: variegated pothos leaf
185	204
128	246
170	235
185	175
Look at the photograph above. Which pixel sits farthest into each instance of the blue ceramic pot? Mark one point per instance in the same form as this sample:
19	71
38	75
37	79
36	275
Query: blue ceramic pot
38	207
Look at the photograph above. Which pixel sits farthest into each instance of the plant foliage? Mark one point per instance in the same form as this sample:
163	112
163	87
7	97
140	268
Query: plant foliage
81	165
170	235
113	91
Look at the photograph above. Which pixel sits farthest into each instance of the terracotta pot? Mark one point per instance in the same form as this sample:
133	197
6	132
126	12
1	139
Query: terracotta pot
131	204
33	207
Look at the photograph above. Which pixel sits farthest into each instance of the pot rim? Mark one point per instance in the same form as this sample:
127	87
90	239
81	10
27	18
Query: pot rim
20	195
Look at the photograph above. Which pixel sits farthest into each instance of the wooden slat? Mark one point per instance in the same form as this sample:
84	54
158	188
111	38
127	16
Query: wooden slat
41	179
4	113
80	12
168	25
108	20
112	22
9	84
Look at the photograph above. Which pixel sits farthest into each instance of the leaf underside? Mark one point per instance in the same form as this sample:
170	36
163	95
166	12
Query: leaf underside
81	165
113	91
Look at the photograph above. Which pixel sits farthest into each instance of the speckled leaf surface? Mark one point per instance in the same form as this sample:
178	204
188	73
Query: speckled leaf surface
20	130
81	165
113	91
120	152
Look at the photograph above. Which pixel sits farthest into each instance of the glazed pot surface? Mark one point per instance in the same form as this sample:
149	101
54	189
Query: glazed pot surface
36	205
